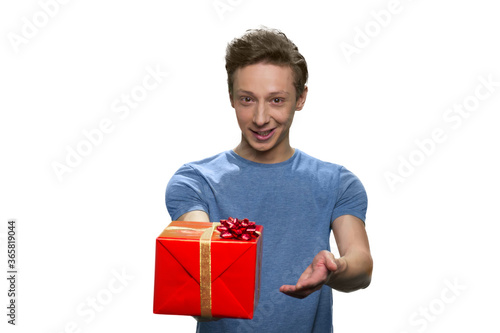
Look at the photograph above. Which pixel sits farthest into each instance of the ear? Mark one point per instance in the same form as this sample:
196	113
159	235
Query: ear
302	100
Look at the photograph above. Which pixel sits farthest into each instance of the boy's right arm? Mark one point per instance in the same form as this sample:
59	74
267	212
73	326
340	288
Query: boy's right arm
194	216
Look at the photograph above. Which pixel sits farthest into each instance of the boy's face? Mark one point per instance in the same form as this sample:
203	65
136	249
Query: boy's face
264	99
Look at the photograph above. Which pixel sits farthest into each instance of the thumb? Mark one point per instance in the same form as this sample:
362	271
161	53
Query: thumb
331	262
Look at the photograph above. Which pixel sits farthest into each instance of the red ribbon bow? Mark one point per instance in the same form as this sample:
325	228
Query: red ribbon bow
239	229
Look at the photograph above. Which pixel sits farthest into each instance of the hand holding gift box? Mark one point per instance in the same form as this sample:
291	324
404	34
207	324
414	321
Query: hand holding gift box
208	269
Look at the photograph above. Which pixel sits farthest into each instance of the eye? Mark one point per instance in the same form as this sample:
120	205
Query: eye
246	99
278	100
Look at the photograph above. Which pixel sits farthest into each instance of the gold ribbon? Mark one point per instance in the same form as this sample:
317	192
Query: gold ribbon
205	267
206	271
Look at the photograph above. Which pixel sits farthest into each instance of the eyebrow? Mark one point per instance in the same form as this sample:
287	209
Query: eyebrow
280	92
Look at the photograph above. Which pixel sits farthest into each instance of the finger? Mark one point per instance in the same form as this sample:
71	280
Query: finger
287	288
293	291
328	260
316	278
300	290
312	282
331	264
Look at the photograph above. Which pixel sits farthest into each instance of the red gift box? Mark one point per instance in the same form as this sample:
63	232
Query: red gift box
198	273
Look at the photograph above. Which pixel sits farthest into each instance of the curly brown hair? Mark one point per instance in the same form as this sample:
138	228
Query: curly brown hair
265	45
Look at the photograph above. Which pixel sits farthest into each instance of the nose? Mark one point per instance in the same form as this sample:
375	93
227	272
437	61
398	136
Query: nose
261	115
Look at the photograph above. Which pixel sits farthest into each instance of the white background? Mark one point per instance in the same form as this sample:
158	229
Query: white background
364	111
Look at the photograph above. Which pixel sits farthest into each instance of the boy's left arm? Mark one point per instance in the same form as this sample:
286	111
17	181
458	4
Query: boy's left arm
350	272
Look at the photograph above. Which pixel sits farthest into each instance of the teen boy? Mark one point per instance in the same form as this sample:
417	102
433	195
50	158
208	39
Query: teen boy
297	198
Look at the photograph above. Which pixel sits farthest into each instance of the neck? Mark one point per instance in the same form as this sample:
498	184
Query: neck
277	154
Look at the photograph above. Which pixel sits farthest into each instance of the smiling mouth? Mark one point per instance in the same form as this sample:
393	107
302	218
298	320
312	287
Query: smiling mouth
264	135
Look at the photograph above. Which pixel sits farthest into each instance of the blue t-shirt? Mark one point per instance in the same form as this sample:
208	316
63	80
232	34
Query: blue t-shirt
296	202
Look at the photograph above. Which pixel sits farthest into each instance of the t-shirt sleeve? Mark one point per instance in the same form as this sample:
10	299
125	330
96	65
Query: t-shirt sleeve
185	193
351	196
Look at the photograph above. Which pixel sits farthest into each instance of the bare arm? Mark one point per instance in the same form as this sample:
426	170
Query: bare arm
195	216
355	263
352	271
